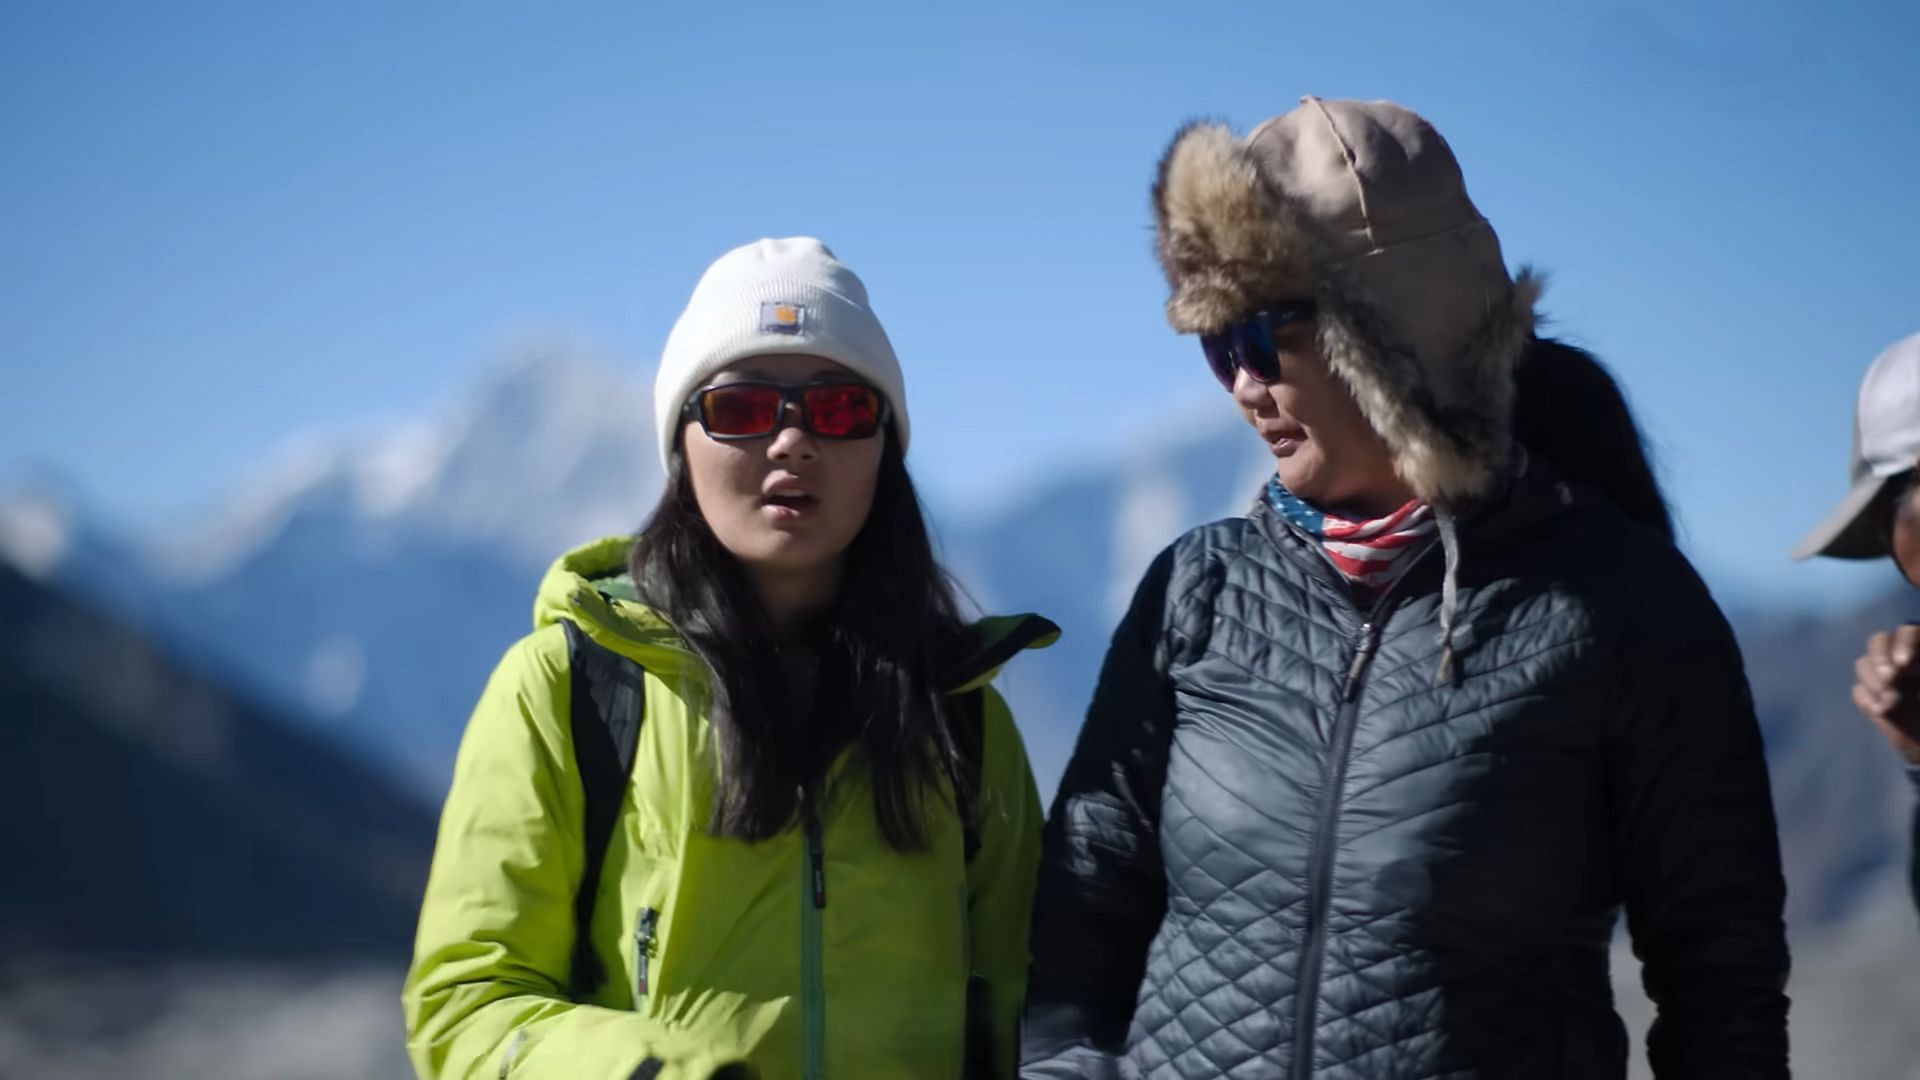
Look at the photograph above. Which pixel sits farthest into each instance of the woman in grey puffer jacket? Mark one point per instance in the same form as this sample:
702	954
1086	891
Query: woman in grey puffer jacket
1371	771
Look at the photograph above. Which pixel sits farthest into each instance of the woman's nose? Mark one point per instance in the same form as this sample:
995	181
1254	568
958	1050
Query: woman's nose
792	442
1248	391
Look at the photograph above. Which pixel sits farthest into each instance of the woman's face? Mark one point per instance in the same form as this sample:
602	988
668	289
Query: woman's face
1324	450
787	505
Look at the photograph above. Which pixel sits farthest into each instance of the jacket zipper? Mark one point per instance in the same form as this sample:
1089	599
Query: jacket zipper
1320	885
813	995
513	1052
1320	870
643	946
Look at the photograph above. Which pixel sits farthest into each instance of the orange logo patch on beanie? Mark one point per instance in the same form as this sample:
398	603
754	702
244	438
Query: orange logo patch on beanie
778	318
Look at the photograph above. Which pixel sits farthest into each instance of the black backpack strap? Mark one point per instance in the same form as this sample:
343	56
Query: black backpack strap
970	738
608	706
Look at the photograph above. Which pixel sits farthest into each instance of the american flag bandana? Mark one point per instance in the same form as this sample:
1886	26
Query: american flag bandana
1369	553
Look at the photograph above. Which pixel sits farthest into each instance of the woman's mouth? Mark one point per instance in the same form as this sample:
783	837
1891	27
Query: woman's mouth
784	506
1283	441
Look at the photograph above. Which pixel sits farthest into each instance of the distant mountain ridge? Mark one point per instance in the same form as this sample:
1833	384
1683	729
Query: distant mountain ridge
369	582
153	816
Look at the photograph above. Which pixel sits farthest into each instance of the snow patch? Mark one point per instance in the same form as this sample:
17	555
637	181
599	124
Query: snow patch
1152	513
35	535
396	468
336	674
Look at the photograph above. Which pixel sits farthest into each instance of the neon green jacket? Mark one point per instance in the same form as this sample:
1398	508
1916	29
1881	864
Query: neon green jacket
715	950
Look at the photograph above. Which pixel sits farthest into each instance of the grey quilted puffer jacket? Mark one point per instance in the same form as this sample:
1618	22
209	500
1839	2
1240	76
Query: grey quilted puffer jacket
1283	848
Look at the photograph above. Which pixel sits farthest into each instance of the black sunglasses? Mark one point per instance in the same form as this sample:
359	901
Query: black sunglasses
1248	344
836	409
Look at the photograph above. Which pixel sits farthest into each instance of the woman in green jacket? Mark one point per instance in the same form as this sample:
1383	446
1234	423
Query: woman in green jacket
824	850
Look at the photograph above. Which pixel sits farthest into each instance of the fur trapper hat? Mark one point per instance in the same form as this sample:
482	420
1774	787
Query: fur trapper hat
1360	207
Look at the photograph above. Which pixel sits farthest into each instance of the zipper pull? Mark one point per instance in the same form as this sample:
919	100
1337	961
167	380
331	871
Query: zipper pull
643	947
1360	655
817	862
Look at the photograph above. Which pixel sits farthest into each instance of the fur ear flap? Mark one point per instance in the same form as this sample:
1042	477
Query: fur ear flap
1449	437
1228	241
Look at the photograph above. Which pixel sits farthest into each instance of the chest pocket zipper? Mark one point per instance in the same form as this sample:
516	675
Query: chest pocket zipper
645	945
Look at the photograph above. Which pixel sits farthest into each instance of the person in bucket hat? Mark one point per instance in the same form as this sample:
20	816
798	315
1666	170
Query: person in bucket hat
1880	518
1370	771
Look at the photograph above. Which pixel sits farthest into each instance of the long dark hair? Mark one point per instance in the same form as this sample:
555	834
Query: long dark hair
880	647
1569	410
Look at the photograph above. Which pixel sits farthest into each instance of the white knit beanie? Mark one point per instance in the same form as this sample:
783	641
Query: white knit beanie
774	296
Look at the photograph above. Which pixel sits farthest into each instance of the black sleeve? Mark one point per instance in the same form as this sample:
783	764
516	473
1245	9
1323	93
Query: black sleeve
1102	891
1913	864
1700	853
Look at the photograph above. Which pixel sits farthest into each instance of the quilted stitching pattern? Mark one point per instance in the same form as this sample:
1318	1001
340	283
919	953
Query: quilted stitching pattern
1220	999
1472	887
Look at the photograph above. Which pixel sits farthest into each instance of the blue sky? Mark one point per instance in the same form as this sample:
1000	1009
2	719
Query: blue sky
227	222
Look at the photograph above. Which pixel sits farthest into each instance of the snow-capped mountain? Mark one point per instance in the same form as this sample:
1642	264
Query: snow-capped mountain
550	448
369	579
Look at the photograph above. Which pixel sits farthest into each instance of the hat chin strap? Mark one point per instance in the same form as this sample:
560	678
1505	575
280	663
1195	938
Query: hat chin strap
1443	673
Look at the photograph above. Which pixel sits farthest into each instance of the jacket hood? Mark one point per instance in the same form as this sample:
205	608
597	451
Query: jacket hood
1359	207
590	586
